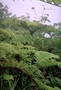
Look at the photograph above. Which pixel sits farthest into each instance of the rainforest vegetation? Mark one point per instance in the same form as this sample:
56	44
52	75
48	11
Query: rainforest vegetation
29	60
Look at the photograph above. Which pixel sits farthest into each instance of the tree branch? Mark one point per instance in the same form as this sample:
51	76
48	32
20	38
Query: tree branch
50	3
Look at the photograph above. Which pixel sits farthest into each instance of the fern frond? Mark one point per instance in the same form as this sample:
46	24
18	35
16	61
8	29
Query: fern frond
45	59
42	85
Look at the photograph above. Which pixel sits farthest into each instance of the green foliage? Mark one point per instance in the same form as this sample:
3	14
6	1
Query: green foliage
11	23
7	77
6	34
7	54
54	1
3	13
45	59
28	59
43	86
27	39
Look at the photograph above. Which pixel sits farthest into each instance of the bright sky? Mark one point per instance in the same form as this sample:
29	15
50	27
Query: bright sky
20	7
